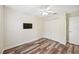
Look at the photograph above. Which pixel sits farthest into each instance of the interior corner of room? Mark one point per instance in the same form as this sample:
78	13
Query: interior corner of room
61	25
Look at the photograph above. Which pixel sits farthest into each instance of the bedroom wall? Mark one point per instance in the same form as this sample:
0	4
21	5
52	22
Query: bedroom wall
15	34
1	29
55	28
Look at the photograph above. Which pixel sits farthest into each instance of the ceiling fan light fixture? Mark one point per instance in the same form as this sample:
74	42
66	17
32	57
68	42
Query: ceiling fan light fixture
44	14
46	11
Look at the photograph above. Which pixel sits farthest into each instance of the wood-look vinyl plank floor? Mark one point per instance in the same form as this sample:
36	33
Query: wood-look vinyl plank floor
44	46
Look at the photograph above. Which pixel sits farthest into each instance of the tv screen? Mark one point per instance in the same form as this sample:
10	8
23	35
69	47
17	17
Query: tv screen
27	25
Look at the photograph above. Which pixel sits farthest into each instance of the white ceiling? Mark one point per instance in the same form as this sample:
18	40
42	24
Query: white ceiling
28	9
35	9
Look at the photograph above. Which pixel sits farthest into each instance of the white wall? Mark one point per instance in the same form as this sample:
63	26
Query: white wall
15	34
1	29
55	28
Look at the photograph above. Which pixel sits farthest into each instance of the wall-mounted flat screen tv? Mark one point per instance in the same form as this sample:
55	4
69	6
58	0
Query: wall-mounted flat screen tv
27	25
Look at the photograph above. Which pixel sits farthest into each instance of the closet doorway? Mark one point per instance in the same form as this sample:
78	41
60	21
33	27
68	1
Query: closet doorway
74	30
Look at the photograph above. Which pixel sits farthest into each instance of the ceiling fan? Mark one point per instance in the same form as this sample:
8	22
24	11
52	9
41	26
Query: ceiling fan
46	11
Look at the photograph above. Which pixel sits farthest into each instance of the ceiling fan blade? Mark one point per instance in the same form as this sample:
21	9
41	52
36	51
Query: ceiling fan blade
48	8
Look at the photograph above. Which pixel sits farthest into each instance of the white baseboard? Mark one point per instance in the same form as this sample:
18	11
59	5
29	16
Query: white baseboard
21	43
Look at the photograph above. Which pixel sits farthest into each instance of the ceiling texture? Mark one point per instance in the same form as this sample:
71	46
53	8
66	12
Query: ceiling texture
41	10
